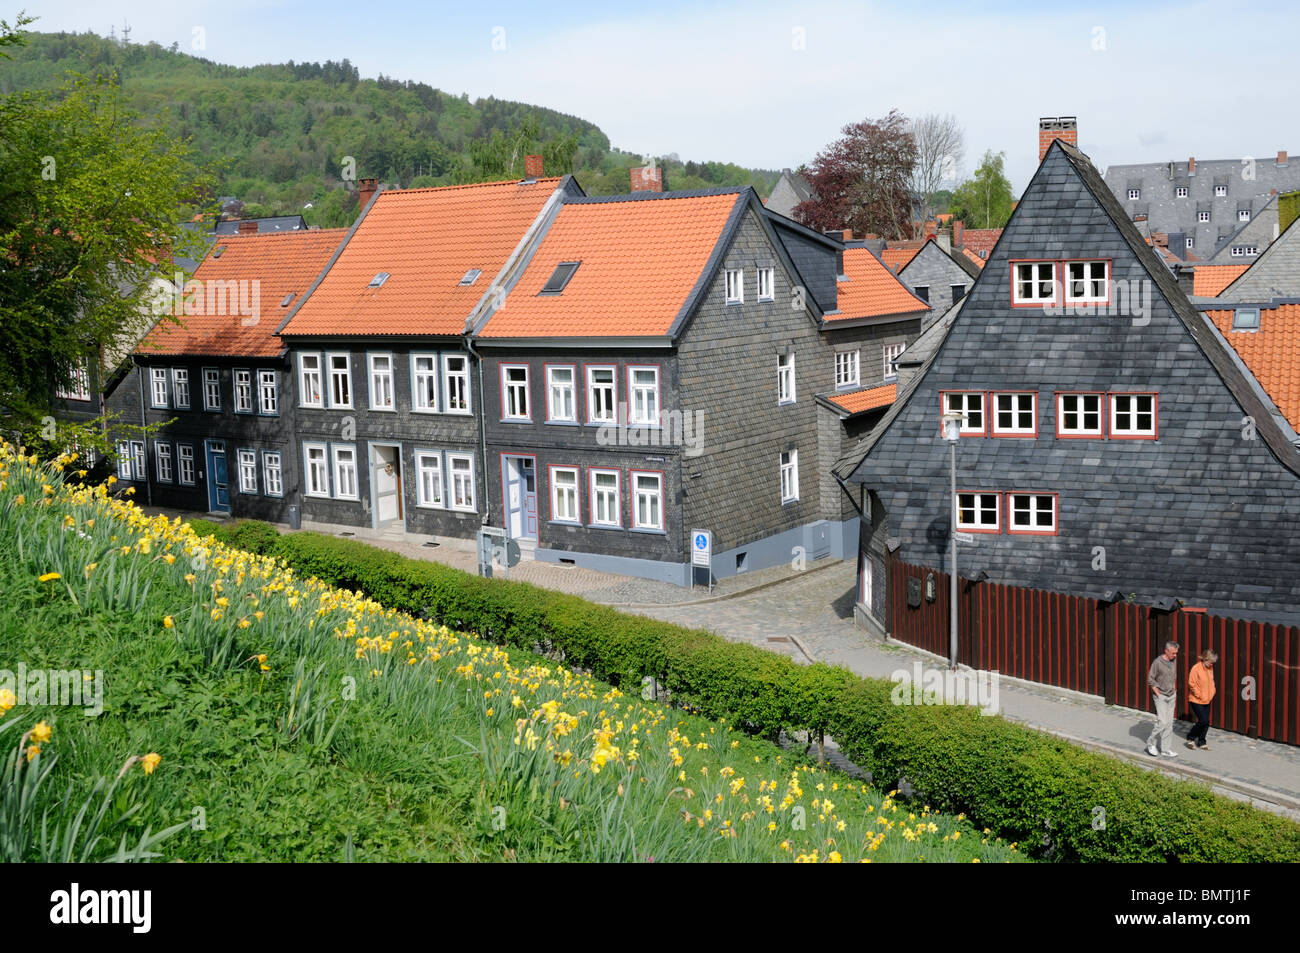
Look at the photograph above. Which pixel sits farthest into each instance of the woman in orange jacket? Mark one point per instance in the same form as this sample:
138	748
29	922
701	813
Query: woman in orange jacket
1200	691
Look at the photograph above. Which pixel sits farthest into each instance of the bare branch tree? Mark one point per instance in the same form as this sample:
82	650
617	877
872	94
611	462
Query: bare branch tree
940	145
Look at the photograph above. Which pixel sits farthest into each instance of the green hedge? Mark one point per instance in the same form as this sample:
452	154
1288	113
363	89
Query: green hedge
1029	787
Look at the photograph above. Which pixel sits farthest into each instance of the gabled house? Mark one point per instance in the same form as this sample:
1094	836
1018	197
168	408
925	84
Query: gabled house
791	189
1109	441
1244	242
937	277
1275	274
387	389
221	376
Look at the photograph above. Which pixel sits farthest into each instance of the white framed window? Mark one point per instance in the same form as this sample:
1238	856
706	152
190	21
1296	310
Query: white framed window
1078	415
243	390
647	500
428	471
211	388
272	473
316	477
162	451
158	388
1220	191
1251	250
1015	415
1034	282
789	476
606	509
978	512
1134	194
268	391
1087	281
1031	513
564	495
1180	192
461	466
846	369
561	394
970	404
78	387
180	388
345	471
381	382
124	461
1191	242
1202	216
424	383
137	460
735	285
311	392
1243	215
455	384
766	284
1238	251
602	394
891	353
643	394
340	367
247	471
514	392
185	457
785	379
1133	415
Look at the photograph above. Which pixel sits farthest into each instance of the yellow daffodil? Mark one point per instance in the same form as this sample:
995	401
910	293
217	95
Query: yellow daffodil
150	761
7	699
51	576
167	622
41	733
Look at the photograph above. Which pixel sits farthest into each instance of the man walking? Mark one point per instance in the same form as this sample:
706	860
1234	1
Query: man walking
1162	678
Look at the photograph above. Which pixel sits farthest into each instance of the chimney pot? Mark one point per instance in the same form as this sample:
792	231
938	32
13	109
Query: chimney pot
532	167
1065	128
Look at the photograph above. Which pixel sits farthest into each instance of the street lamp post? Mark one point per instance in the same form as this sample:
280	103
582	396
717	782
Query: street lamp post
952	433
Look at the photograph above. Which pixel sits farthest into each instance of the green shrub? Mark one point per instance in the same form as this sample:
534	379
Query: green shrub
253	536
203	527
1027	787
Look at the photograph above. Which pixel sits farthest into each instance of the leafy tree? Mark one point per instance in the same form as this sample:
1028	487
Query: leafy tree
985	199
93	206
862	180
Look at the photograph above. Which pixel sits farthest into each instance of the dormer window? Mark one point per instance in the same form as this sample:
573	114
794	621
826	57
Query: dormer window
1180	192
560	277
1202	216
471	276
1220	191
1243	215
378	280
1134	194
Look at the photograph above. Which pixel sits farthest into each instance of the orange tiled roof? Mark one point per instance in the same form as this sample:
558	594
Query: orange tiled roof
279	262
1209	280
897	258
640	258
980	240
1272	353
979	262
869	398
872	290
426	240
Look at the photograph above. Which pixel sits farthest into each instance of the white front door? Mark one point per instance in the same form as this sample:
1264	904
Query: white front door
519	490
386	477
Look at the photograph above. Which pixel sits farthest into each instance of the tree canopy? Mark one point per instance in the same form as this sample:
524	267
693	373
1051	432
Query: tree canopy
985	199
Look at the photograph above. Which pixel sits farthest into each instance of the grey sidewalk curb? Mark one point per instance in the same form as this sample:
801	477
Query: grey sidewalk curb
730	595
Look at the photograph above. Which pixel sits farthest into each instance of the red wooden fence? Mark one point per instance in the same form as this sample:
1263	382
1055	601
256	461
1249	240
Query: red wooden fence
1105	649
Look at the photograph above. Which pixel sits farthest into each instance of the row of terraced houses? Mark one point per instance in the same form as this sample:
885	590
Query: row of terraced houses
599	376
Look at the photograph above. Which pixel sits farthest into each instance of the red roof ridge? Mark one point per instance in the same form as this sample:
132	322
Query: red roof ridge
548	180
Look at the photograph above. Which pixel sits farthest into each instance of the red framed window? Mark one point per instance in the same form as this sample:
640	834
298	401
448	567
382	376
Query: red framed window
1134	416
1032	514
1015	414
1087	282
979	511
968	403
1033	283
1079	416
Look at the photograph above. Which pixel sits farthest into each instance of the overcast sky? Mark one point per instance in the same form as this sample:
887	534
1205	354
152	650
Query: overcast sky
768	84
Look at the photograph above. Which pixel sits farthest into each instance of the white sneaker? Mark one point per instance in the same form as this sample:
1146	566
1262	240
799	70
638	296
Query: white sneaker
1152	751
1171	754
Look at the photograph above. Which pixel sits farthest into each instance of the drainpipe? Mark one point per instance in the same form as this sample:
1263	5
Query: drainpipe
484	494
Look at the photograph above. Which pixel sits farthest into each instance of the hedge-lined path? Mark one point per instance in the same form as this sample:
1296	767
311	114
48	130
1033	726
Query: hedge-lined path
817	611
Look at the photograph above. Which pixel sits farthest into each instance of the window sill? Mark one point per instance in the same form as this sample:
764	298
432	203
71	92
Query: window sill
576	523
790	402
563	423
649	532
432	507
384	410
463	509
516	420
604	525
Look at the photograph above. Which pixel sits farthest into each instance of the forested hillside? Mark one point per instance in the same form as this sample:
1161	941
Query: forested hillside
278	134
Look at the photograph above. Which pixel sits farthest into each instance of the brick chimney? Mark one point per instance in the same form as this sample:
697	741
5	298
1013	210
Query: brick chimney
847	234
366	189
1191	165
1281	157
958	228
1065	128
248	228
649	178
532	167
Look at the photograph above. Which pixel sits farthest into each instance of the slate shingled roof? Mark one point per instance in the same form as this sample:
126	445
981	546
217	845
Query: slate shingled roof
1274	274
426	241
639	255
275	223
281	263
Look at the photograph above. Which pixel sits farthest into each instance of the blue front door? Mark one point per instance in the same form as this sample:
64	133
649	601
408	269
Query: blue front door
218	477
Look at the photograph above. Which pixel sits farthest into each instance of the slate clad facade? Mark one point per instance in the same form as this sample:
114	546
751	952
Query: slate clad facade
939	278
1203	508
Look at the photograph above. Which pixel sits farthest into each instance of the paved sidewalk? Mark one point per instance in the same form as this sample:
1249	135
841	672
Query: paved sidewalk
815	615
